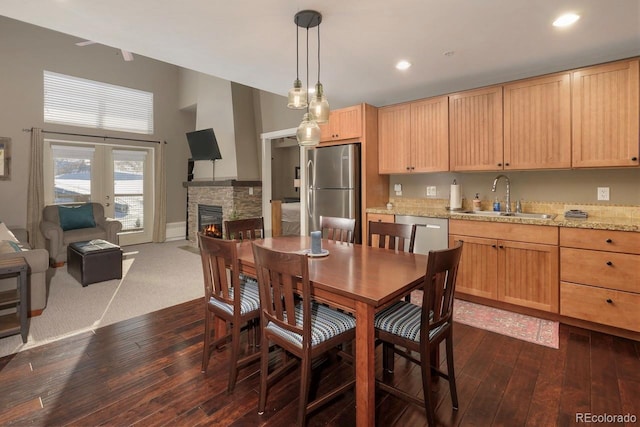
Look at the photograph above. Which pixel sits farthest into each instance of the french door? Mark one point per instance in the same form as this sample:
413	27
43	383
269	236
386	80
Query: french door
118	177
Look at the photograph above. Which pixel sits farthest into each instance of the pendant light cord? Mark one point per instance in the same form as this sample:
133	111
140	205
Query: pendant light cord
318	54
297	51
307	68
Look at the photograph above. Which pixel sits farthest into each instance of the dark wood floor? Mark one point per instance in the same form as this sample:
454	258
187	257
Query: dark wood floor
146	371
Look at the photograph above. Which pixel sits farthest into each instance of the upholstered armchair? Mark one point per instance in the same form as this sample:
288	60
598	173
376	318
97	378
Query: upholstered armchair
64	224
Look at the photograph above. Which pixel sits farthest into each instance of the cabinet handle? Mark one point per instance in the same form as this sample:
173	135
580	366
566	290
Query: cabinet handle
609	241
635	159
506	164
609	301
412	167
501	247
499	164
493	246
408	168
609	263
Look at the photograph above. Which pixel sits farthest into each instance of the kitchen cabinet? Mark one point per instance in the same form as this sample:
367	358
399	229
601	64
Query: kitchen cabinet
606	115
475	130
345	123
512	263
599	279
537	123
414	137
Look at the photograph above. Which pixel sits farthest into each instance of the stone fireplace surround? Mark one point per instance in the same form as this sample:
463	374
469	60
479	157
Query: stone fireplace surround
234	197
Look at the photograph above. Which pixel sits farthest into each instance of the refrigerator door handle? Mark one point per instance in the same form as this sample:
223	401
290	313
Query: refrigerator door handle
310	186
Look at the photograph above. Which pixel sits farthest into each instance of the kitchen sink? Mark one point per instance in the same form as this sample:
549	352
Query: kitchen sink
529	215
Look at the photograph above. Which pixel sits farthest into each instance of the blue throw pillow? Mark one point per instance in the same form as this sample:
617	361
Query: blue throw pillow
74	217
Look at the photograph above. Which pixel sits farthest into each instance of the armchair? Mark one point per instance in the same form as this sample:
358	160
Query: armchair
57	239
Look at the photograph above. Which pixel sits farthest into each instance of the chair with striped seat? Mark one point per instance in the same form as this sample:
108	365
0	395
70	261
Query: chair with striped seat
221	284
302	328
422	328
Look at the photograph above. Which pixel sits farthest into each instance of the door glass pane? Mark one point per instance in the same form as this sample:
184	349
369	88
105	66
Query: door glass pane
128	174
72	174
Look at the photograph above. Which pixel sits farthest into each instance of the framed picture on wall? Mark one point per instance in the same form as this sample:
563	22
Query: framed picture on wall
5	158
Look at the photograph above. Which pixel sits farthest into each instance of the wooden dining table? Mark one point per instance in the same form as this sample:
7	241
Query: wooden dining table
357	278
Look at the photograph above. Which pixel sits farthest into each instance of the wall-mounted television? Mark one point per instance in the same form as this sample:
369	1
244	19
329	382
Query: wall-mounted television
203	145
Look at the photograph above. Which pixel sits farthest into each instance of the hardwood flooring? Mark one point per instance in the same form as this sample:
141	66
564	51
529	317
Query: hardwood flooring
146	371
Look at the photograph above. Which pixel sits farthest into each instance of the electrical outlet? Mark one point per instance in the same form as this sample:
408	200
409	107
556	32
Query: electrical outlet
603	193
431	191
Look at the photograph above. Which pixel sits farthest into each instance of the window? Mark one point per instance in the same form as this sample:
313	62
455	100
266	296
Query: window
71	173
74	101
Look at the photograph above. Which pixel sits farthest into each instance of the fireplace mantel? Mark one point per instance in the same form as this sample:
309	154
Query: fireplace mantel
222	183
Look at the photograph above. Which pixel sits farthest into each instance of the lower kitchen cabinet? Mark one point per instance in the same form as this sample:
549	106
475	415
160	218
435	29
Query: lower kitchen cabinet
599	279
513	263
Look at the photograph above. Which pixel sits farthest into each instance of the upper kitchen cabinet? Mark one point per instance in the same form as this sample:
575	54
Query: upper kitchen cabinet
413	137
345	123
606	115
475	130
537	123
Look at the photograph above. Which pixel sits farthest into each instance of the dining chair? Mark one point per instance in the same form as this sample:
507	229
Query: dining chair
231	297
388	232
299	326
338	229
244	229
422	328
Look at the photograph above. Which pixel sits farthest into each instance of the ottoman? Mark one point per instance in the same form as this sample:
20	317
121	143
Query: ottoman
94	261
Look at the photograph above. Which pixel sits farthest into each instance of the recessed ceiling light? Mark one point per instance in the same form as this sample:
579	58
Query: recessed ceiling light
403	65
566	20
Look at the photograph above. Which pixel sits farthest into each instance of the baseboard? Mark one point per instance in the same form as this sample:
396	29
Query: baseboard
176	231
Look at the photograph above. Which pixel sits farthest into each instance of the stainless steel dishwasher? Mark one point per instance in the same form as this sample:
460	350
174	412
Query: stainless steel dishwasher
431	233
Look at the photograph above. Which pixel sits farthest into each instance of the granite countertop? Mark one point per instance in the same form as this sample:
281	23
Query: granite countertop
597	223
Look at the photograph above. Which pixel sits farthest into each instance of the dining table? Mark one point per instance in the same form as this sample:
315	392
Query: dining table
357	278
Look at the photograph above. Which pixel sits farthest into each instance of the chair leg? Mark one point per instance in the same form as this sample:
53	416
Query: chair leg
426	385
235	351
305	382
388	357
264	375
206	349
451	372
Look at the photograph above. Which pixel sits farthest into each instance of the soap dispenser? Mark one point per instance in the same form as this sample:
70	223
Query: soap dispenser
476	203
496	205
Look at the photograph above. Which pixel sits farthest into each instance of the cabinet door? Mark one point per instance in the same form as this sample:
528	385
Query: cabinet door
606	109
478	269
394	133
528	275
430	135
475	130
345	123
537	123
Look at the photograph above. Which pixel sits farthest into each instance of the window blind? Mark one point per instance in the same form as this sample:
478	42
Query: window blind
80	102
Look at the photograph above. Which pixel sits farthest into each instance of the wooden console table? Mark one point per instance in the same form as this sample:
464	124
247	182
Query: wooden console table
14	323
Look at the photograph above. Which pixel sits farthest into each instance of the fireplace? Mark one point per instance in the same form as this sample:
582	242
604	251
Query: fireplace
210	220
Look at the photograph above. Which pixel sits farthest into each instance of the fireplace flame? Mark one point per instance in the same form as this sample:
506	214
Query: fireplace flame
213	230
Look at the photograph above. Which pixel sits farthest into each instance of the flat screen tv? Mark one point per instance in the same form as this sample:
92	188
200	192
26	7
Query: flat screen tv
203	145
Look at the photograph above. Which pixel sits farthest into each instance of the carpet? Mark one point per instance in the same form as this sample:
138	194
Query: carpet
520	326
155	276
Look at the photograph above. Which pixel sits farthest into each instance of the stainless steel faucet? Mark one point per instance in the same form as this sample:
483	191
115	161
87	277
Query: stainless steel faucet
507	208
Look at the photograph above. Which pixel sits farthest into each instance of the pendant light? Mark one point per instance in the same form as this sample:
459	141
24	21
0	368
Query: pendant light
319	106
308	133
297	94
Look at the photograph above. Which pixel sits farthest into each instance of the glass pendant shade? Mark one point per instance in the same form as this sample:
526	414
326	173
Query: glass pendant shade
297	96
308	133
319	106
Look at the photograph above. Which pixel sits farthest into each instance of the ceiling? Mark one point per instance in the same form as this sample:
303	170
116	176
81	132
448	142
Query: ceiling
252	42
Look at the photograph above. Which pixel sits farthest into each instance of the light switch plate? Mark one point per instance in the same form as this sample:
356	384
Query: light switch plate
397	187
431	191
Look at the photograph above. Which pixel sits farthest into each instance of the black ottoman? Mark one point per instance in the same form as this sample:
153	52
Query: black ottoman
94	261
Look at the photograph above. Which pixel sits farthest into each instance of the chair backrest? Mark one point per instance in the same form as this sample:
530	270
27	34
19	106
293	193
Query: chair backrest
392	235
338	229
278	275
439	288
244	229
218	255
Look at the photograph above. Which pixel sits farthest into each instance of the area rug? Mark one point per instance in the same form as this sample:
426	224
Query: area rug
520	326
155	276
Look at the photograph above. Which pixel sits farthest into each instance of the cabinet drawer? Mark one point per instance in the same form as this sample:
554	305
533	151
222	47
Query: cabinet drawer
601	240
592	304
506	231
606	269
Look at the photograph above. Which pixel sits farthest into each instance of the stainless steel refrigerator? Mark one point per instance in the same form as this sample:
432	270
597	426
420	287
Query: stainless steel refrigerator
333	177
